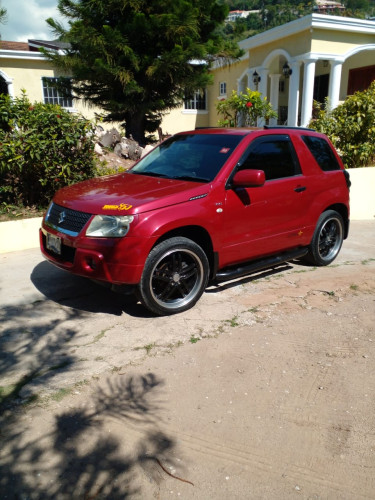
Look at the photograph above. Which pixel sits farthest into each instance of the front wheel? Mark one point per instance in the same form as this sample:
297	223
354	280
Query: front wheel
174	277
327	240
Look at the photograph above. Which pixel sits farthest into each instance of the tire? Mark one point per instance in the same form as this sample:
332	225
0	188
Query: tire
327	240
174	277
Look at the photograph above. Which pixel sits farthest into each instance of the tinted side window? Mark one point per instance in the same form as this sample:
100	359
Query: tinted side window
322	152
274	154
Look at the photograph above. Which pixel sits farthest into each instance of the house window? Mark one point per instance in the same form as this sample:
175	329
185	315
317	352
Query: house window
223	88
197	101
57	91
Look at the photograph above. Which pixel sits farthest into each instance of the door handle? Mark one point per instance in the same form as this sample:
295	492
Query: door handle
300	189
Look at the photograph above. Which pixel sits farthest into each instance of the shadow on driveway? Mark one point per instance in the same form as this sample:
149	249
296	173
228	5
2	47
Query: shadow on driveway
83	294
73	456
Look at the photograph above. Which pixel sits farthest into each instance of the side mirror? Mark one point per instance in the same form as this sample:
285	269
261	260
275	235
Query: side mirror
248	178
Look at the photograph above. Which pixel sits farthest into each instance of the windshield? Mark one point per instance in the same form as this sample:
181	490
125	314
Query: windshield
195	157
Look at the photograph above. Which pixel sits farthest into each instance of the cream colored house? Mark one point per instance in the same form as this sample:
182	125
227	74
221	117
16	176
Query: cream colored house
23	67
314	57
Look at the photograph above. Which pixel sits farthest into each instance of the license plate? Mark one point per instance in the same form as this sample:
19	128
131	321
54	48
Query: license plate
53	243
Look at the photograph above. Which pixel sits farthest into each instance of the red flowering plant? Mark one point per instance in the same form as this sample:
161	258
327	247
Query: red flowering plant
245	108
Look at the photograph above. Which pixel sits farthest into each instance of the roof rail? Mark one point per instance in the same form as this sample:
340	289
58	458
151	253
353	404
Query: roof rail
267	127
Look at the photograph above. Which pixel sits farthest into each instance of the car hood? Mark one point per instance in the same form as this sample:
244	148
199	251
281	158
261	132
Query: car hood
127	194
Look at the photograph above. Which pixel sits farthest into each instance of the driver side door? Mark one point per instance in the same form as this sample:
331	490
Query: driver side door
266	219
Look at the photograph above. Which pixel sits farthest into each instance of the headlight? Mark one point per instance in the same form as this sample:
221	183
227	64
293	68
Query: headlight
109	226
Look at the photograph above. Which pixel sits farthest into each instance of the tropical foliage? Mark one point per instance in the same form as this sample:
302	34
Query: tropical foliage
42	148
351	127
244	108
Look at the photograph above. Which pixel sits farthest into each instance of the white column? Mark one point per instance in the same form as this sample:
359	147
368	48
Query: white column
334	84
308	92
274	95
263	84
263	87
293	97
241	87
250	83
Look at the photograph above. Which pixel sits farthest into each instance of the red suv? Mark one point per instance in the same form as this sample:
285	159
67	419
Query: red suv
205	205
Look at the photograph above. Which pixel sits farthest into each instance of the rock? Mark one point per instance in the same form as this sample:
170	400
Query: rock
110	139
132	148
118	149
98	149
99	131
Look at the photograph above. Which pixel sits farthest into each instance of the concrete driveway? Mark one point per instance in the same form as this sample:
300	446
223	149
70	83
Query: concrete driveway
263	390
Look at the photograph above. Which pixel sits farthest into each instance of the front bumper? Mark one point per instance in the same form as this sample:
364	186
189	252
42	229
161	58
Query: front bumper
114	260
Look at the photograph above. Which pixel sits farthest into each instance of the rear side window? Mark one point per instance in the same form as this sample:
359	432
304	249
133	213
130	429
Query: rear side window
322	152
274	154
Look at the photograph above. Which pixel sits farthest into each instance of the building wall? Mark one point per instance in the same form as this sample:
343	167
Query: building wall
229	75
338	42
179	120
27	75
294	45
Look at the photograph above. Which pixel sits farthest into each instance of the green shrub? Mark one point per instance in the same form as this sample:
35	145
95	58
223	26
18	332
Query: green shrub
351	127
250	105
42	148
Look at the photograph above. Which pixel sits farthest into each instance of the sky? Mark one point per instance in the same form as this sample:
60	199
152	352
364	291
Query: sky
26	19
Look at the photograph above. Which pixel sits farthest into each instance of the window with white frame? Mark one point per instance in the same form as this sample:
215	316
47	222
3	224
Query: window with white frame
223	88
57	91
197	101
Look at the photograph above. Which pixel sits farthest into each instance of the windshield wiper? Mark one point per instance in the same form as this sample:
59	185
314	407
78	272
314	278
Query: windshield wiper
190	178
151	174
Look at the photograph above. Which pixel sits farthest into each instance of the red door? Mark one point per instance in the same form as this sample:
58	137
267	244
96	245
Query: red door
270	218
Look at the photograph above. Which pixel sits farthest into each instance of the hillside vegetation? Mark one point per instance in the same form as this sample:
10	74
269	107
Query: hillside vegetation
271	13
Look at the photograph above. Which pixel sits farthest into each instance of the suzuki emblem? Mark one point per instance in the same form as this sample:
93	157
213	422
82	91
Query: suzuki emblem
62	217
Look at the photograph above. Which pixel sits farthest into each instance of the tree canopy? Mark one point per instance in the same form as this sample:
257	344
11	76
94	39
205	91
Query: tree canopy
3	16
136	59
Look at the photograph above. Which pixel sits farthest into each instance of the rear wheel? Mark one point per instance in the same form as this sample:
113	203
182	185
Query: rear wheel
327	239
175	276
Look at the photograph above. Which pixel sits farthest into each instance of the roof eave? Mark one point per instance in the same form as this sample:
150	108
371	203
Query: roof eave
22	54
309	22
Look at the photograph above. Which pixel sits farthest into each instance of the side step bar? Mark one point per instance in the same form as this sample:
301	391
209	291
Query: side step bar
237	272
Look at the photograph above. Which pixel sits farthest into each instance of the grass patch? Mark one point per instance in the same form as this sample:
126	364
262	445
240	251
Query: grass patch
172	345
148	348
366	261
61	394
81	383
253	310
6	391
99	336
10	212
233	322
194	339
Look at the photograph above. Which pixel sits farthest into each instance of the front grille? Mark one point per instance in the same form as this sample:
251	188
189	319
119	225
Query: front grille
66	220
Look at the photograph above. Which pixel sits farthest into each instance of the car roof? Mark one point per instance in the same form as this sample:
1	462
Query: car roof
243	131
